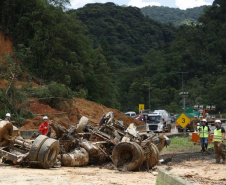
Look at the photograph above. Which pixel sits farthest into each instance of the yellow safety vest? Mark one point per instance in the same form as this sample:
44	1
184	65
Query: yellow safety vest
217	135
204	132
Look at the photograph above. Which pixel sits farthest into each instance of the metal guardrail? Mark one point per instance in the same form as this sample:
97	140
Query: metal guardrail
26	134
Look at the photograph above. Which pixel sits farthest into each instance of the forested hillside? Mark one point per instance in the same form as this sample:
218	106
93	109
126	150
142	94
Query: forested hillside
173	15
111	54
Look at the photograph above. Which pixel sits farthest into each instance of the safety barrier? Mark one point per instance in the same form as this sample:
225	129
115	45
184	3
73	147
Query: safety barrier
165	177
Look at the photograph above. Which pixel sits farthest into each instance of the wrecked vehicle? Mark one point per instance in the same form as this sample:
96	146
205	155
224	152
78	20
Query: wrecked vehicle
126	148
83	144
42	152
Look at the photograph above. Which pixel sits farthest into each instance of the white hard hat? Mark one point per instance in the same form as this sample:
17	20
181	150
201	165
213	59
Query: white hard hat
204	120
217	121
8	115
45	117
198	124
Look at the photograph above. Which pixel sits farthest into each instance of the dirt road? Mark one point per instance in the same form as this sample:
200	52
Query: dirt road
16	175
196	168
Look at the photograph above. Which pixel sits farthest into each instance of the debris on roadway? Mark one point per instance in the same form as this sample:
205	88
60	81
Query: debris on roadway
83	145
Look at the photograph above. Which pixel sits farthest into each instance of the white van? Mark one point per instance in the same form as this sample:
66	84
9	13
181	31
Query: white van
131	114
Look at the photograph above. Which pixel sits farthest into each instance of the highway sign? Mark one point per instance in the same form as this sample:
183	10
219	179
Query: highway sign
141	107
183	120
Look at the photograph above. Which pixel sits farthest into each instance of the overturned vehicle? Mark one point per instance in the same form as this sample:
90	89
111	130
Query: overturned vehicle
84	144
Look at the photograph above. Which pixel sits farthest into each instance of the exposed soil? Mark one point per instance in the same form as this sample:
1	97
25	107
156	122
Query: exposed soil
6	46
196	167
70	113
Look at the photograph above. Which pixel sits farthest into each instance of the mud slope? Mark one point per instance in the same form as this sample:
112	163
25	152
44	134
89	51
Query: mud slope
70	113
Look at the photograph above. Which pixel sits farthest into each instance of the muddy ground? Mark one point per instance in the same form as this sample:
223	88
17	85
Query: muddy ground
194	167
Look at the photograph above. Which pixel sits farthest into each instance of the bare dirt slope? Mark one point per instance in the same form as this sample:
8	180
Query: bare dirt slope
5	45
70	113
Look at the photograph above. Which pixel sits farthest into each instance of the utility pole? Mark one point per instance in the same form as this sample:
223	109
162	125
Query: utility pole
183	95
149	94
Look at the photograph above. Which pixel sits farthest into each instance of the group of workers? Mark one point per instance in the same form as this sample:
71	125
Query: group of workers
204	133
44	127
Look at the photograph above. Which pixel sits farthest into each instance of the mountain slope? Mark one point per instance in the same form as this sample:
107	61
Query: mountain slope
173	15
123	32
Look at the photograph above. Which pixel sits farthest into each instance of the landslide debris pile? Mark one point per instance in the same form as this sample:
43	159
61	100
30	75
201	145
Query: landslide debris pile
70	114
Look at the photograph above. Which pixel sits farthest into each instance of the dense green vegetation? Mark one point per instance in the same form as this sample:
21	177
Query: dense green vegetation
105	53
173	15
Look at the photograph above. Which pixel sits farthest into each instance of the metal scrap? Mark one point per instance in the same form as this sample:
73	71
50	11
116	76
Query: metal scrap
84	144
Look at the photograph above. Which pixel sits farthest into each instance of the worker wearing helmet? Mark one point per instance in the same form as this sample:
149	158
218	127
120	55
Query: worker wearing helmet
198	126
204	132
44	127
219	135
7	117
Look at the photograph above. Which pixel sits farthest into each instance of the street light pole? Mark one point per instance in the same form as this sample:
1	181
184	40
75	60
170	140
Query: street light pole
183	95
182	73
149	93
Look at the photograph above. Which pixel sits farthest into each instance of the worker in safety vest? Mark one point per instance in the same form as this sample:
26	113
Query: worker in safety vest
219	135
204	132
198	126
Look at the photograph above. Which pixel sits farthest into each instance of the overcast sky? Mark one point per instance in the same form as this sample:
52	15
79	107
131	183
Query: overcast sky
182	4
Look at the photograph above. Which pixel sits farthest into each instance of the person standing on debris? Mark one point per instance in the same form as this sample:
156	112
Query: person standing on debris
219	135
44	127
102	120
204	132
7	117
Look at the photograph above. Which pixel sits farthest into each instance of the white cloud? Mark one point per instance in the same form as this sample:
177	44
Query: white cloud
141	3
79	4
182	4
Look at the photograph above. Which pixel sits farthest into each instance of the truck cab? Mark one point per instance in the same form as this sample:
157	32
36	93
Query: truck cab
158	121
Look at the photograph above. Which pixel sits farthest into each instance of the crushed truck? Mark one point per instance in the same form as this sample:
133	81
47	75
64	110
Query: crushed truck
42	152
158	121
83	144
